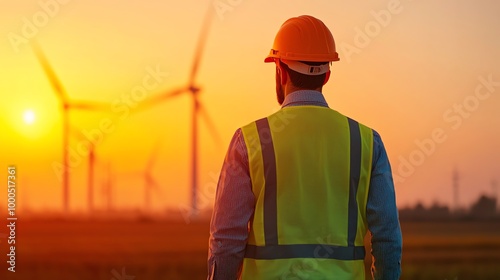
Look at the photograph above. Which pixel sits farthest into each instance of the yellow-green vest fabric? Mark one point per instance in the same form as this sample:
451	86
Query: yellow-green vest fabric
310	170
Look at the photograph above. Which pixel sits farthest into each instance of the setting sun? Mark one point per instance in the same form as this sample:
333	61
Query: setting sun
29	117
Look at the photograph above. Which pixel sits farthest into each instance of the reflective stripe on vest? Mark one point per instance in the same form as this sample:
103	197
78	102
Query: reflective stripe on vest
270	241
354	169
270	211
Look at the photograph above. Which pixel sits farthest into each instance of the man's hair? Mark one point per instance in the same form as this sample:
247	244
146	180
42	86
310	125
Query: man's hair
303	81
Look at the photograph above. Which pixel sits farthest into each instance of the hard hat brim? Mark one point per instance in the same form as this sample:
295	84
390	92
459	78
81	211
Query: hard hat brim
269	59
330	57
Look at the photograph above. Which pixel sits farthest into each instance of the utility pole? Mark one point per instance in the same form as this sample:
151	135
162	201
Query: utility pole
455	179
494	188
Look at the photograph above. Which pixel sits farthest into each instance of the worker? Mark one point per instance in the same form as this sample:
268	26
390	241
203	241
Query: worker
299	189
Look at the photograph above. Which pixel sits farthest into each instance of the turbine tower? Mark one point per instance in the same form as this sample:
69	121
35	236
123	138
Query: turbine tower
66	105
107	187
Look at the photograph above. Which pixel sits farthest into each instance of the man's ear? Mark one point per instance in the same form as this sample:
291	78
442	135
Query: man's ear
327	77
283	74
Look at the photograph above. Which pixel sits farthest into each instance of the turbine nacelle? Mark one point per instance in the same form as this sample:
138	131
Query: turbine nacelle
194	89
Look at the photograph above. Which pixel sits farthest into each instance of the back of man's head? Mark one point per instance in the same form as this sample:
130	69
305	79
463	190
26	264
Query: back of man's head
303	81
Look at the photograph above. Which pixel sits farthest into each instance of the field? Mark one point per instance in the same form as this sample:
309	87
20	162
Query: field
126	250
451	250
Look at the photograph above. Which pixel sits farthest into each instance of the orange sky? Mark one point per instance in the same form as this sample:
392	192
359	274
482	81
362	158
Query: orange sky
405	67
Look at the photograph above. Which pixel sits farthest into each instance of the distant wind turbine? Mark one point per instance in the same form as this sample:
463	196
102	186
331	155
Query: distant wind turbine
198	109
90	168
150	183
66	106
107	187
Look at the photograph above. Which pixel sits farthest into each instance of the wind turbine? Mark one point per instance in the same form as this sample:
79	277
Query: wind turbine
107	187
90	167
150	183
66	106
198	110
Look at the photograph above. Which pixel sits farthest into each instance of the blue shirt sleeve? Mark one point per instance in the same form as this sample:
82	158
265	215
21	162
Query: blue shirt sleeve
382	217
233	208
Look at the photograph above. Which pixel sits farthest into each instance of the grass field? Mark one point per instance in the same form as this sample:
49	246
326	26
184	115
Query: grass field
175	250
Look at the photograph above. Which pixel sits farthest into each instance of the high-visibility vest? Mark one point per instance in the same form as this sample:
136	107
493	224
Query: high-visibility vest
310	170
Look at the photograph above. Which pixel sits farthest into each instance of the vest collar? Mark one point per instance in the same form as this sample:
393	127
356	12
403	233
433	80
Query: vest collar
303	98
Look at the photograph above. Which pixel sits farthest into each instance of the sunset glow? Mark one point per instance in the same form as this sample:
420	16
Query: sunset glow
29	117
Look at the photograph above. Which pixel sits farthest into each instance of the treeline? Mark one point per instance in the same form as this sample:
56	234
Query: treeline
485	208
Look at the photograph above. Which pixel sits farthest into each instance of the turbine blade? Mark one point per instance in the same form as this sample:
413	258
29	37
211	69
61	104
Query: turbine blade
154	155
160	98
156	186
51	75
210	124
200	45
88	105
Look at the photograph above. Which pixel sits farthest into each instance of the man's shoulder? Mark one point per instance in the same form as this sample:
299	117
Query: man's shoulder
249	125
377	139
360	123
260	120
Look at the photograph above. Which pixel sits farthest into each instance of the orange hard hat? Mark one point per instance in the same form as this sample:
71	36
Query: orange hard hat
303	38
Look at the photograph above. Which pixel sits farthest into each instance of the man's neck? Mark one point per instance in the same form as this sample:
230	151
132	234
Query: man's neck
290	88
